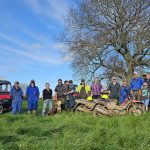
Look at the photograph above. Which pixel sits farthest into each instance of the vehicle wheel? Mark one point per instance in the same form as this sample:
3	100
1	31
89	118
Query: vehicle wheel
80	108
136	109
1	109
100	111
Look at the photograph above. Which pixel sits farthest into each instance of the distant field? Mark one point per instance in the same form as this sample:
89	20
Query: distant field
69	131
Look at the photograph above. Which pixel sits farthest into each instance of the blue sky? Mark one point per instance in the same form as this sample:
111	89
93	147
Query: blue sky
28	49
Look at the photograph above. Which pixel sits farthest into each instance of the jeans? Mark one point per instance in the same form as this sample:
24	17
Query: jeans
16	106
46	102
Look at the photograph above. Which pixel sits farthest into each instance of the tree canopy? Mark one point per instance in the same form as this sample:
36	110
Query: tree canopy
107	38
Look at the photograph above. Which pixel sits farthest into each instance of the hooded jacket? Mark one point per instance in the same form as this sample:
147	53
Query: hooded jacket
32	93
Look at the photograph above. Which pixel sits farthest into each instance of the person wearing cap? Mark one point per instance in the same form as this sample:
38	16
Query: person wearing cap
47	98
114	89
84	90
145	95
136	85
96	89
17	97
124	91
32	93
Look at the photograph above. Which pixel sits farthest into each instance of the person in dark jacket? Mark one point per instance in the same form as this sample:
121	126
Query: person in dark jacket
60	93
47	98
124	91
32	92
70	98
114	89
148	80
17	97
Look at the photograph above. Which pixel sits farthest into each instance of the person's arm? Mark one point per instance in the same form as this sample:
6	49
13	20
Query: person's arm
21	93
38	92
43	94
101	88
27	92
109	88
131	87
11	92
56	91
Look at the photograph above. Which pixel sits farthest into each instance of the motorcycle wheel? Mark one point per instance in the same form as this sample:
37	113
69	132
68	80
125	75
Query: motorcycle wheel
81	108
1	109
136	110
99	111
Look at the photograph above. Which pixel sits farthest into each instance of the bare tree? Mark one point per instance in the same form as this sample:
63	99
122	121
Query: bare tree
108	37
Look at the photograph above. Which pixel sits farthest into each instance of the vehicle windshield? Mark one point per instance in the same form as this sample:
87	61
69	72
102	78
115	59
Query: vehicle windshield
5	87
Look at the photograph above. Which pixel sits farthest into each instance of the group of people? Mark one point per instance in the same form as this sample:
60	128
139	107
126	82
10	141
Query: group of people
64	93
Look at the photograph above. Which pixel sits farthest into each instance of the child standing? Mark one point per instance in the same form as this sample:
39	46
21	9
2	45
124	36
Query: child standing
124	91
145	95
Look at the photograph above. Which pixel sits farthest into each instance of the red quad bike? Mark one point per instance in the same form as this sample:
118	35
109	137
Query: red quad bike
5	98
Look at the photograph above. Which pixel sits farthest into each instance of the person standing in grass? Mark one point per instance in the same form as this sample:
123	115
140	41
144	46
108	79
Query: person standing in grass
145	95
32	93
148	80
136	85
66	85
60	93
84	90
96	89
114	89
70	98
124	91
47	98
17	97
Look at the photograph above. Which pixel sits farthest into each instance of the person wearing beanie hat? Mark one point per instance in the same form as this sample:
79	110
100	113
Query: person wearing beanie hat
32	93
84	90
17	97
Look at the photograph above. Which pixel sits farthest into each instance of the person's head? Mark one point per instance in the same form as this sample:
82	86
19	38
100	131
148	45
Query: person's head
135	74
114	80
59	81
16	84
82	82
47	85
96	80
32	83
124	82
145	85
148	76
70	82
66	82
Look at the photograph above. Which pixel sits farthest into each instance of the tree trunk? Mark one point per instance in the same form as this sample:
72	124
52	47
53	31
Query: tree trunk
130	74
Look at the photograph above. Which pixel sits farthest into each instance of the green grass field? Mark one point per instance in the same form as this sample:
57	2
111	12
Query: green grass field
68	131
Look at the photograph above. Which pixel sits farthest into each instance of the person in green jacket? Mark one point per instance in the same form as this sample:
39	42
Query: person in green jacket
84	90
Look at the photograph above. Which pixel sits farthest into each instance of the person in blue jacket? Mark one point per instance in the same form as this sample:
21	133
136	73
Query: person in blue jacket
32	93
17	97
136	85
124	91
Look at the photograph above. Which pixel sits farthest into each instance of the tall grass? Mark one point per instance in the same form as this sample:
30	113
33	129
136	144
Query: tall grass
68	131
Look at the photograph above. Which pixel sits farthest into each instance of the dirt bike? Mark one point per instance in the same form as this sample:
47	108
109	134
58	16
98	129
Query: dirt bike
101	107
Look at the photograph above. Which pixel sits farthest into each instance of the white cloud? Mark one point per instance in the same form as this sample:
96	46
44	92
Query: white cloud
43	58
55	9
